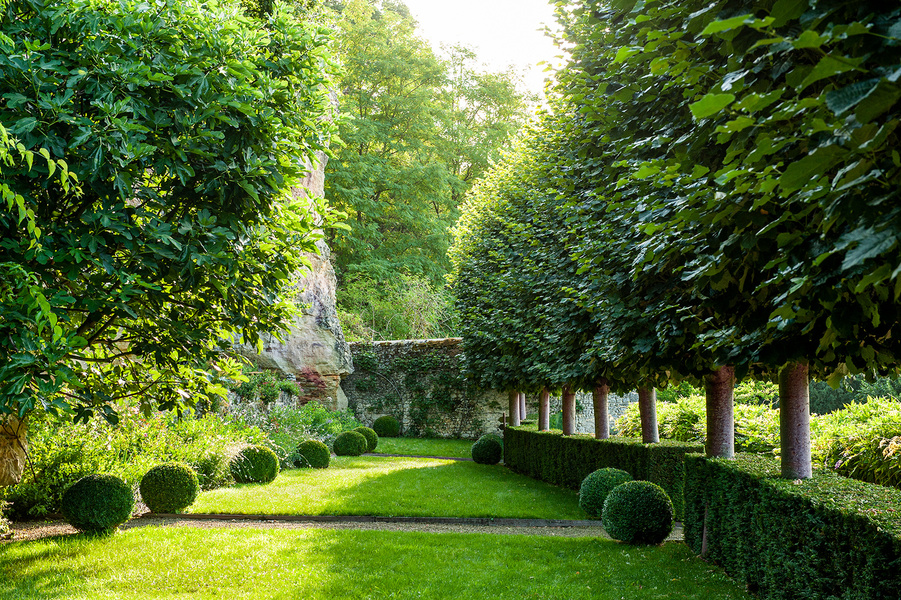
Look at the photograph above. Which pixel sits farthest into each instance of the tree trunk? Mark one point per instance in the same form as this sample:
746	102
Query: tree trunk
647	406
569	410
601	418
522	406
13	450
513	401
719	387
544	410
794	421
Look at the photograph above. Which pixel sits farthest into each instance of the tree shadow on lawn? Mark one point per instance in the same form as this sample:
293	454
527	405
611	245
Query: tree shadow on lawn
417	488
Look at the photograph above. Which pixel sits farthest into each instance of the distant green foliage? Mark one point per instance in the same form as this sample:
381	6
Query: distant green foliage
398	308
312	454
254	464
487	450
386	426
169	488
5	530
350	443
597	486
638	512
97	503
372	438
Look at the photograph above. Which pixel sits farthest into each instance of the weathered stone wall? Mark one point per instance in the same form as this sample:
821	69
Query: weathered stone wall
616	407
419	382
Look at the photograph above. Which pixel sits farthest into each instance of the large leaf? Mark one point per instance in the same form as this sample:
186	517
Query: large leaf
711	104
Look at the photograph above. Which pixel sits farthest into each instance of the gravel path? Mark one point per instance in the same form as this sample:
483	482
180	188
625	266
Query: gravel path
33	530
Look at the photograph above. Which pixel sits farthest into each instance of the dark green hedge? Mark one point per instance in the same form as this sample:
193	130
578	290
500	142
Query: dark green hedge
824	537
566	461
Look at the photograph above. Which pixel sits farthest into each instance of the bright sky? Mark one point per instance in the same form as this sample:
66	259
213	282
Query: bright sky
503	32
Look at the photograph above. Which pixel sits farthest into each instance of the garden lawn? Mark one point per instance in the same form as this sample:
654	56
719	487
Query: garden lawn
412	487
259	564
426	447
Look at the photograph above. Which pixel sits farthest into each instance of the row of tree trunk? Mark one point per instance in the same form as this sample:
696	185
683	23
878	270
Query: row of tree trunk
794	415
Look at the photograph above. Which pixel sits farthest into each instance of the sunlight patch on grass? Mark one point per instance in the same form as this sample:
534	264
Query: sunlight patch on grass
426	447
170	563
398	487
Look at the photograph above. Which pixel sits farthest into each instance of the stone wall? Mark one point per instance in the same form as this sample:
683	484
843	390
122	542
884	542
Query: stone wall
419	382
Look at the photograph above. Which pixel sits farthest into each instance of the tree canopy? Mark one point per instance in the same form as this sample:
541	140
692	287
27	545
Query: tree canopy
725	178
185	124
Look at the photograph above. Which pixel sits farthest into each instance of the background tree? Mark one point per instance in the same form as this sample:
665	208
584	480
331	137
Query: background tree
185	124
417	130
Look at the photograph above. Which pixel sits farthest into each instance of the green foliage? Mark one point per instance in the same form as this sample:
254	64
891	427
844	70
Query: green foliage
185	126
263	386
595	488
638	512
823	537
62	452
417	131
5	530
254	464
567	460
313	454
350	443
405	307
372	438
97	503
487	450
169	488
386	426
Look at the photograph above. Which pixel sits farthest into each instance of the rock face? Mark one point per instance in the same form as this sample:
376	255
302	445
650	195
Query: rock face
314	350
12	450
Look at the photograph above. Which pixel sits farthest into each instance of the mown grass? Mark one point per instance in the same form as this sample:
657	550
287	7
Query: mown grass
425	447
169	563
418	487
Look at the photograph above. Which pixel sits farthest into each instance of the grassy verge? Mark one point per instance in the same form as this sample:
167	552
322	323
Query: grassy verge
169	563
426	447
415	487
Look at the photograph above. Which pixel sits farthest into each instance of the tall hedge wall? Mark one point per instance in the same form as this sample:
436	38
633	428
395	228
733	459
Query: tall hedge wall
825	537
566	460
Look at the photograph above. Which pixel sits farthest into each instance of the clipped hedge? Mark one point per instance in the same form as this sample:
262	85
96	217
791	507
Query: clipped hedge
169	488
567	460
824	537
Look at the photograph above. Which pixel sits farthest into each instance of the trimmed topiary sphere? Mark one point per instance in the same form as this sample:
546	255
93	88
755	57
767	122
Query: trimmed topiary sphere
97	503
595	488
350	443
638	512
372	438
169	488
386	426
254	464
487	450
312	453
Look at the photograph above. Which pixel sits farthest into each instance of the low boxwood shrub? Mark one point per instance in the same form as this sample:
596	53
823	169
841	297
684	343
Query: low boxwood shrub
169	488
386	426
567	460
487	450
97	503
254	464
372	438
638	512
312	453
823	537
350	443
596	486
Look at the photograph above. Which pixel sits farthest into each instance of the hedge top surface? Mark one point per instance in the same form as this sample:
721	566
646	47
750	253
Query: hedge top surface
878	504
615	439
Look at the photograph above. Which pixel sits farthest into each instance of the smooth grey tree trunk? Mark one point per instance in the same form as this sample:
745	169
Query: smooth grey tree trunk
513	402
647	406
719	388
794	421
522	406
601	417
569	410
544	410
